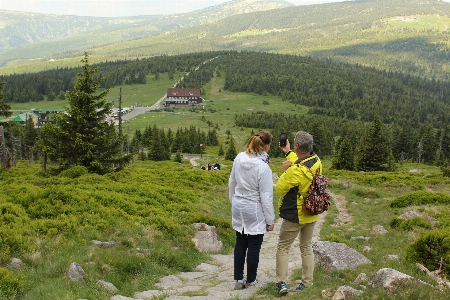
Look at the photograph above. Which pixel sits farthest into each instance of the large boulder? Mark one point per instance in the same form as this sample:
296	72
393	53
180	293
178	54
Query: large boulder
337	256
206	238
390	279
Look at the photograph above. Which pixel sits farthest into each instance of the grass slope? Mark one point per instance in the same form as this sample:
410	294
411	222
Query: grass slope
49	221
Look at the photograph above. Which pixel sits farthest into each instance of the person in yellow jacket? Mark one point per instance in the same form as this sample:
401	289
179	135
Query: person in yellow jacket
292	186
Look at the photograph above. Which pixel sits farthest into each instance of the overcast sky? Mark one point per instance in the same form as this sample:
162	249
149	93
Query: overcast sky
118	8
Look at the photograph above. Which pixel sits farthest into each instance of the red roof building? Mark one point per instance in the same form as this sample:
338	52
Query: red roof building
183	97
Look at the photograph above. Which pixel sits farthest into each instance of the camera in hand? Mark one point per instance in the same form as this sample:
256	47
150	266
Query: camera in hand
283	139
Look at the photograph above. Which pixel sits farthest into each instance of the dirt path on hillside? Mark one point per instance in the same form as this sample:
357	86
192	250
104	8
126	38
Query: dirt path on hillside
214	279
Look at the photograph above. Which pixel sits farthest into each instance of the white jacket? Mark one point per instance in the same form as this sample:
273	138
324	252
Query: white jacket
250	190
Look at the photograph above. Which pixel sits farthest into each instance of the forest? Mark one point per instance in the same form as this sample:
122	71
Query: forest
341	98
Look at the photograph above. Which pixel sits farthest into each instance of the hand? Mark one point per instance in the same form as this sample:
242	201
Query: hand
286	148
286	165
269	227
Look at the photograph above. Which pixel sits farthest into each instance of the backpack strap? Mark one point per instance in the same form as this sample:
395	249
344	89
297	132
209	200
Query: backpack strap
308	162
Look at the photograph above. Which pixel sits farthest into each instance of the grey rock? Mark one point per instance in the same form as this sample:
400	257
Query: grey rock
107	285
366	249
206	238
379	229
346	292
361	278
108	244
391	257
75	272
148	294
390	278
119	297
337	256
169	282
204	267
15	264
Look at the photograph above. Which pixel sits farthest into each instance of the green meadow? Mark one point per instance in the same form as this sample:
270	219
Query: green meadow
49	221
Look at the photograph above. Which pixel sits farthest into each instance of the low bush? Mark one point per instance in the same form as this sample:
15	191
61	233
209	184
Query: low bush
74	172
10	284
420	198
429	248
445	171
14	229
409	224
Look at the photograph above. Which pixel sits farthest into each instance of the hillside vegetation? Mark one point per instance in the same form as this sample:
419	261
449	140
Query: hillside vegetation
30	36
341	99
49	219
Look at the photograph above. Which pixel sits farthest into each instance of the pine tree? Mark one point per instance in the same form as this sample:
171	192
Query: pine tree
231	152
81	136
5	109
30	139
402	143
344	158
373	151
221	152
427	144
159	149
444	145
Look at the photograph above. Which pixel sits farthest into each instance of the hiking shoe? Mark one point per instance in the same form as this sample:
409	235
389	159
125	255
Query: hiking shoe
282	288
300	287
252	283
240	284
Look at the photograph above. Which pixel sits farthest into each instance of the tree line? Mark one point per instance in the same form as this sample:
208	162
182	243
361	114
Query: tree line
52	84
342	99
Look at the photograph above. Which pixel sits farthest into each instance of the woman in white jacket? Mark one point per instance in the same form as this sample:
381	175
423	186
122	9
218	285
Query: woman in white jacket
251	194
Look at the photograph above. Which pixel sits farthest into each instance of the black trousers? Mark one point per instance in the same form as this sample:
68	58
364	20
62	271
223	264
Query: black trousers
247	248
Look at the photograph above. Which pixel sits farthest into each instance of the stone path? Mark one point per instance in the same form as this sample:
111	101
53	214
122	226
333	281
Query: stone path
214	279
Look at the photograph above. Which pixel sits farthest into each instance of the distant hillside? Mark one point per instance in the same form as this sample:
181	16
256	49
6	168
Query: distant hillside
67	36
395	35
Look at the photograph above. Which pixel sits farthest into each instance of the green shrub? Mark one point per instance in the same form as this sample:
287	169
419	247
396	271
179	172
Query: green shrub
14	229
420	198
429	248
74	172
445	171
409	224
366	193
335	238
10	284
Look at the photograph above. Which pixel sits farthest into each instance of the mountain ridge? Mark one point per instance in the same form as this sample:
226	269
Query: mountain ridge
359	32
18	29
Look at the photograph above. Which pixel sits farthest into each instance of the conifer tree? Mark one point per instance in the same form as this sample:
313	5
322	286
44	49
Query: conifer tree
81	135
212	138
5	109
30	139
159	148
231	152
344	158
443	153
373	151
427	144
402	143
221	152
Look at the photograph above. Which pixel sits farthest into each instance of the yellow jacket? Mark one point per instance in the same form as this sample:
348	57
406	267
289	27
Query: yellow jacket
296	177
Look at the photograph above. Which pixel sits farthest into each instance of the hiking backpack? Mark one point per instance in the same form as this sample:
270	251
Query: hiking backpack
317	200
